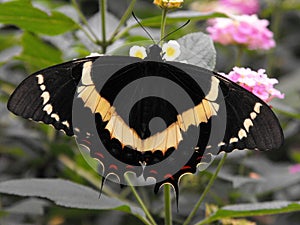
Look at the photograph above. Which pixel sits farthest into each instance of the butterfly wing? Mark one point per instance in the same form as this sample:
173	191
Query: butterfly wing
47	95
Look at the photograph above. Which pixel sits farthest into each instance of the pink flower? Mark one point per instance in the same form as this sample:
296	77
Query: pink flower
237	7
256	82
294	169
240	6
242	30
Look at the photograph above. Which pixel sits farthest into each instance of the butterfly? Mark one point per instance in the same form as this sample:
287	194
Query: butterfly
80	97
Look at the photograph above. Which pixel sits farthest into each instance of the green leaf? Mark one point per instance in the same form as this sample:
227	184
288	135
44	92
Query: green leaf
13	151
22	14
8	40
66	193
181	16
37	53
197	49
256	209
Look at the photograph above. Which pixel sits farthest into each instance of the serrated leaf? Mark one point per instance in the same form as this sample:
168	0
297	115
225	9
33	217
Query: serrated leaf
22	14
197	49
38	53
66	193
256	209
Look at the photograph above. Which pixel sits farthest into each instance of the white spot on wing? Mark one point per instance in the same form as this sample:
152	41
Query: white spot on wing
55	116
257	107
242	133
40	79
46	97
42	87
48	109
221	144
66	123
247	124
253	115
233	140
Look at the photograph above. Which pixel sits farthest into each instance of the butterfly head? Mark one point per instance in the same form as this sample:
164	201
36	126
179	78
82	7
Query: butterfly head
154	53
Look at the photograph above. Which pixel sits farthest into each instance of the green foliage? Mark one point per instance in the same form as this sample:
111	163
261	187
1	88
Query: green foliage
21	13
37	53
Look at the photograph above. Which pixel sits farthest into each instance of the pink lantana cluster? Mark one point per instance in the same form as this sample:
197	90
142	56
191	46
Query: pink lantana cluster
245	30
240	6
256	82
236	7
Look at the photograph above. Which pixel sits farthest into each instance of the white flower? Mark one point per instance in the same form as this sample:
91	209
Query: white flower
171	50
138	51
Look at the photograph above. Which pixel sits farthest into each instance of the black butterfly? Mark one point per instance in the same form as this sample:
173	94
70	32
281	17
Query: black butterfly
91	86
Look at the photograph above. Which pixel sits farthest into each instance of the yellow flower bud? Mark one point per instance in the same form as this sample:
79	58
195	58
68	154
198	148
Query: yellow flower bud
168	4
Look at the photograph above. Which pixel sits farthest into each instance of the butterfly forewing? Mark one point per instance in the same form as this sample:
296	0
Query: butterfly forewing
47	95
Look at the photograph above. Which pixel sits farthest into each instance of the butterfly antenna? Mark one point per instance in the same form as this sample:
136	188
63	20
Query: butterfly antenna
183	25
147	32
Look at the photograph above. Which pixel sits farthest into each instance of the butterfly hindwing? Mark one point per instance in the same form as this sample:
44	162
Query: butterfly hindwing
47	95
251	124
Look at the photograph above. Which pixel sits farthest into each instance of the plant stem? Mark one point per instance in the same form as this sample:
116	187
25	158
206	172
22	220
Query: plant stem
167	189
210	183
140	201
92	36
123	19
238	61
168	204
102	5
163	23
275	25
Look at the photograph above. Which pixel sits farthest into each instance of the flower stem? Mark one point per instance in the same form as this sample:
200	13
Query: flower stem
140	201
168	204
275	27
167	189
238	61
210	183
123	19
163	23
102	5
91	35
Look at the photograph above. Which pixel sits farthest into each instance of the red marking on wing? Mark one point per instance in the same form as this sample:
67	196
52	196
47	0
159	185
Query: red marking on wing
86	141
100	155
186	167
167	176
199	158
129	167
153	171
113	166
